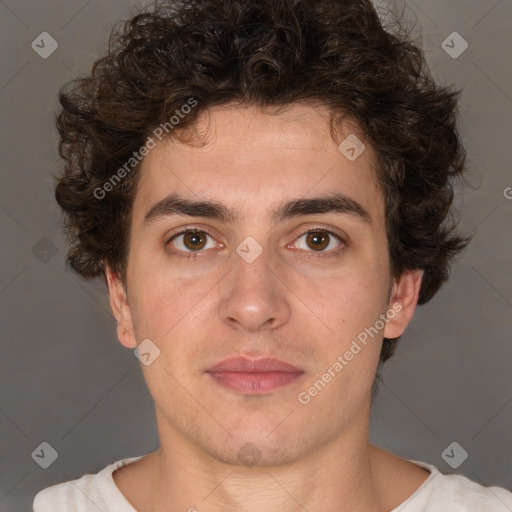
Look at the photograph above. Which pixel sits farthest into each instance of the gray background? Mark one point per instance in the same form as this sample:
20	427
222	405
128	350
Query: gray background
67	381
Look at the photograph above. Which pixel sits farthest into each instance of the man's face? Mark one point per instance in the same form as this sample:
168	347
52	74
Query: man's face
320	280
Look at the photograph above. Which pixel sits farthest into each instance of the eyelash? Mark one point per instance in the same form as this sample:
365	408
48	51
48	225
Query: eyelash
315	254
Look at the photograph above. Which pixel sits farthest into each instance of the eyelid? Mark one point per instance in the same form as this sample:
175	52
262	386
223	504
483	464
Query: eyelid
191	228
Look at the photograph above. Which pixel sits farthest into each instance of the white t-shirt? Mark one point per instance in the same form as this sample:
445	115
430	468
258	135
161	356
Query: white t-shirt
438	493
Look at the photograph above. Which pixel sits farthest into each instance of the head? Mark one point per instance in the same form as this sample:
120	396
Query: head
300	132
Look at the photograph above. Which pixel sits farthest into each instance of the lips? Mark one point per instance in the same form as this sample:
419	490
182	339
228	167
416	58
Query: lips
253	376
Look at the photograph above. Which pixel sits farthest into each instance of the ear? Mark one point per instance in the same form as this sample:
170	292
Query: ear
402	302
120	309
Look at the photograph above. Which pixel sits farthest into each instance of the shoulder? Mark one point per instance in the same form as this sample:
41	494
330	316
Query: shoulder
456	493
79	495
90	493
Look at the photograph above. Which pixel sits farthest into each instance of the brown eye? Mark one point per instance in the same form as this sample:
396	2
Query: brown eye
191	241
194	241
321	241
318	240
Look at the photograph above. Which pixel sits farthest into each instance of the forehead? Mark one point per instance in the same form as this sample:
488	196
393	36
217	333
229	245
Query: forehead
252	160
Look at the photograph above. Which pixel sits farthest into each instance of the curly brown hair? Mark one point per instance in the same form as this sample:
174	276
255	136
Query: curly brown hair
263	53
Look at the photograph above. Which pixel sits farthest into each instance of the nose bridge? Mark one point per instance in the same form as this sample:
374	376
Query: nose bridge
253	297
251	266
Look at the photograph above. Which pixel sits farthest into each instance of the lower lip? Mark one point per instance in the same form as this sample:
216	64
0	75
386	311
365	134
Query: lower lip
254	383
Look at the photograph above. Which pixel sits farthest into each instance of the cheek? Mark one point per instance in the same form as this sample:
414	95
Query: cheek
165	300
350	305
348	301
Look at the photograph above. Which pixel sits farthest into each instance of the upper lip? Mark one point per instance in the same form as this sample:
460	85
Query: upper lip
247	365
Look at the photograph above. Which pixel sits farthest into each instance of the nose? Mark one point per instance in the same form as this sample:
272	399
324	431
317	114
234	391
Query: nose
253	295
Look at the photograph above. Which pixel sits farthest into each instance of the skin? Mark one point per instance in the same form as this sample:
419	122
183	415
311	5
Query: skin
294	302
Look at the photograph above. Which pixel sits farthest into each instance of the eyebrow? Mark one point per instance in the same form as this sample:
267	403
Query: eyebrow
332	203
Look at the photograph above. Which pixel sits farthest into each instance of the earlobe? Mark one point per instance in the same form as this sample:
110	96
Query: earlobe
402	302
120	308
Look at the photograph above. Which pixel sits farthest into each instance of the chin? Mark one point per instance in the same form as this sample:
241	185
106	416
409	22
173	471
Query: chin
256	454
261	448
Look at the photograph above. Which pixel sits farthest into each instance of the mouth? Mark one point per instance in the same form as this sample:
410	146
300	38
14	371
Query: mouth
253	376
